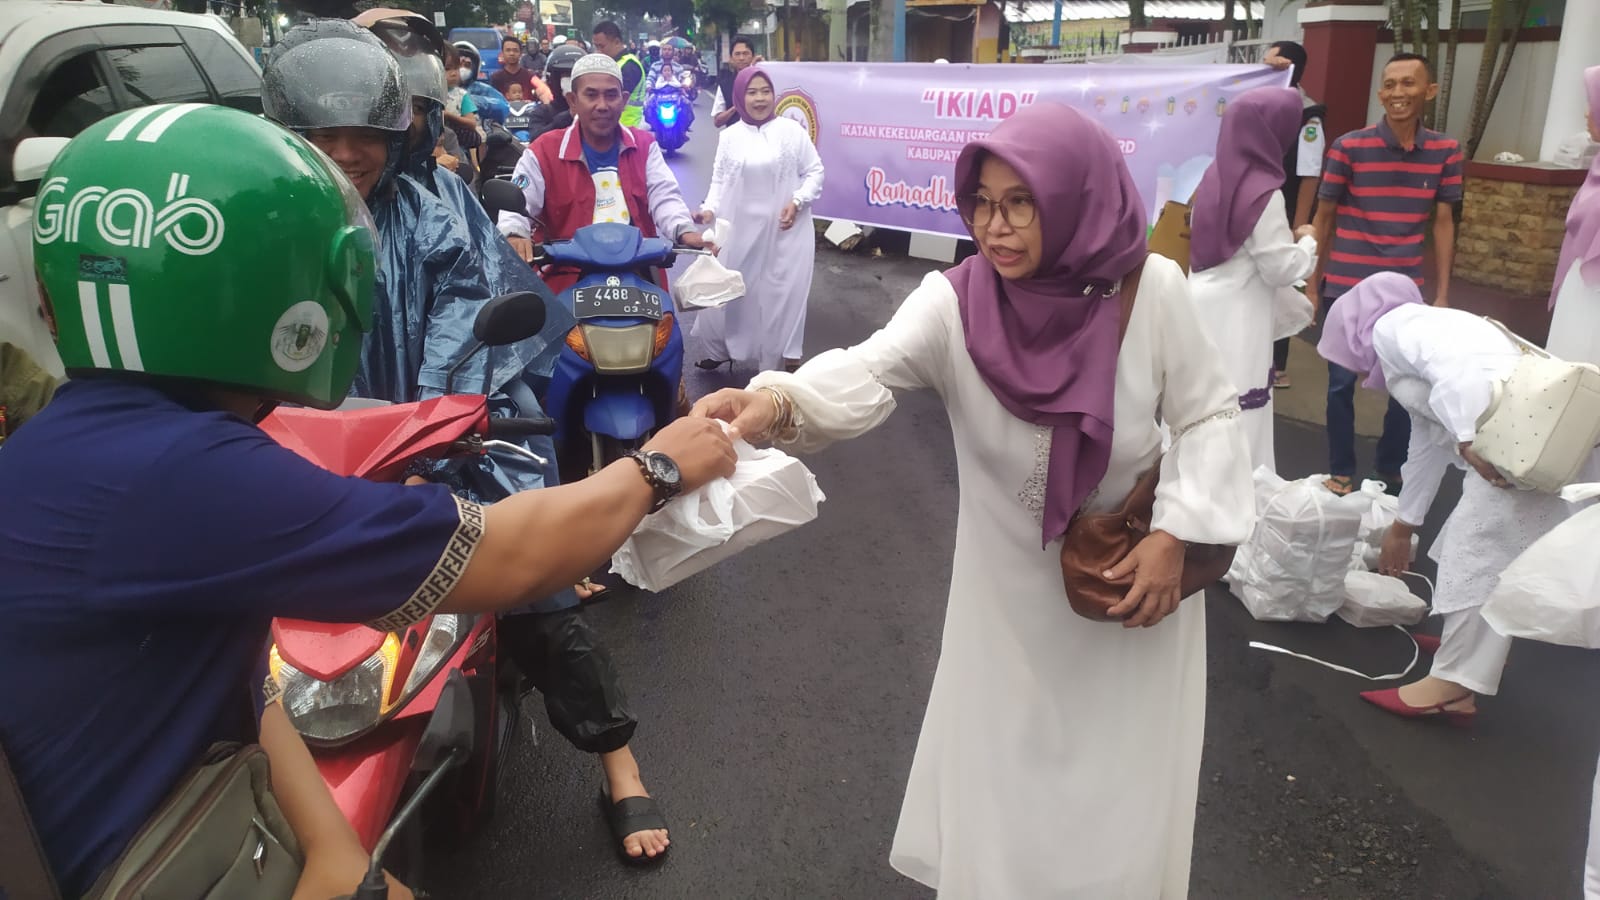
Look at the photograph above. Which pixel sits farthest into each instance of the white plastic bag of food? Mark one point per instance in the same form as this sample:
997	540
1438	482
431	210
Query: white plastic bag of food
1551	592
769	493
1295	562
1373	601
707	283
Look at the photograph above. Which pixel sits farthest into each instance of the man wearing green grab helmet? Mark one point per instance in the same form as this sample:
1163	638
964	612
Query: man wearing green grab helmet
198	264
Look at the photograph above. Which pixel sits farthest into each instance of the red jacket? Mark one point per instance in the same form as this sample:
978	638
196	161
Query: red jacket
569	188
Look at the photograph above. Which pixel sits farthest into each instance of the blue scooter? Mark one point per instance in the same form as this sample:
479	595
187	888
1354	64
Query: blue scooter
620	377
669	114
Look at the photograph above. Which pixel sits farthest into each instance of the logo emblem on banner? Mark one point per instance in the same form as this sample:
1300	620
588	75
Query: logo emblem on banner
797	105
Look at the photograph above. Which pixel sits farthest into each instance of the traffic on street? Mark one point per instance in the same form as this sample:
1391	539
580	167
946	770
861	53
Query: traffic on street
633	459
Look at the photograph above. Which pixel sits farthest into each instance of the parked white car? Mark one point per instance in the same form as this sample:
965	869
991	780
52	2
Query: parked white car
65	66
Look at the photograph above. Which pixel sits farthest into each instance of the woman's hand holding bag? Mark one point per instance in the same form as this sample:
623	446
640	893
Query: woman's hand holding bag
1156	564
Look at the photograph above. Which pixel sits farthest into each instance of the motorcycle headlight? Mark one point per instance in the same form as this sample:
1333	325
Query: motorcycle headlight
620	351
669	113
331	712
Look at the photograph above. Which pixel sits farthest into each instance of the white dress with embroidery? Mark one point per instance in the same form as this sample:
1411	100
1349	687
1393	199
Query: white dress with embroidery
757	172
1248	301
1059	757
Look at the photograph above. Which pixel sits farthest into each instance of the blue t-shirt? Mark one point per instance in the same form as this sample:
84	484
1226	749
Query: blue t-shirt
610	204
144	550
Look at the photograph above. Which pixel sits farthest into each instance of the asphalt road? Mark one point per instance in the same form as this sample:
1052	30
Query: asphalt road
780	695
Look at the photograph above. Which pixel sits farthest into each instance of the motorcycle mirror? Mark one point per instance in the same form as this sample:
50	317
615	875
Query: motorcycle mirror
503	196
509	318
450	729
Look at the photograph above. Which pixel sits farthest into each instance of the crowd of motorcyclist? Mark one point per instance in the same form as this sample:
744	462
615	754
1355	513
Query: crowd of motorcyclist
410	259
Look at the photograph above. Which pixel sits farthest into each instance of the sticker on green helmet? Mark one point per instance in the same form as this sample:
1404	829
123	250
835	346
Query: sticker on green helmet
103	268
299	336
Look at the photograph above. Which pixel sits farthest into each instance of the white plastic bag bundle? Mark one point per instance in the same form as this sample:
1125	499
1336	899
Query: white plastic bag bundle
769	493
1373	601
1551	592
1295	562
707	283
1378	512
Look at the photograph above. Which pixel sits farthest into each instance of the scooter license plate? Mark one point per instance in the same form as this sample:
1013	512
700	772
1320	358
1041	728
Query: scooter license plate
622	301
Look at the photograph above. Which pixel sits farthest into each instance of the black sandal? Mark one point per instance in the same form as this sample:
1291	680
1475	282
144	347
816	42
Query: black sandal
631	815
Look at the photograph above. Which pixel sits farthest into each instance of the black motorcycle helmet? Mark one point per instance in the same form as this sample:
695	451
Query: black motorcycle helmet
558	68
332	73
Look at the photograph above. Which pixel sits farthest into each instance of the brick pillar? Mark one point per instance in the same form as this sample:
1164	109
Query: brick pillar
1341	39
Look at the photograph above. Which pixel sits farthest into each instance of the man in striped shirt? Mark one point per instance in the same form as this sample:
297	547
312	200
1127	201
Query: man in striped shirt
1380	188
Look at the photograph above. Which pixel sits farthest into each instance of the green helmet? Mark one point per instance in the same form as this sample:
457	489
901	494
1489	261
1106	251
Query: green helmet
202	243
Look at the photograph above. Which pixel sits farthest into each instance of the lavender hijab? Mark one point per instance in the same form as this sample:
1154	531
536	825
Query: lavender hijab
1258	131
1347	335
1582	244
1047	346
741	83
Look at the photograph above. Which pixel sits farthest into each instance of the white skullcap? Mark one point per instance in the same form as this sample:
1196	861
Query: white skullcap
596	64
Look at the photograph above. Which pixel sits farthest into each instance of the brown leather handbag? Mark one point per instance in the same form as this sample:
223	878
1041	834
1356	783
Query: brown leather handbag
1095	543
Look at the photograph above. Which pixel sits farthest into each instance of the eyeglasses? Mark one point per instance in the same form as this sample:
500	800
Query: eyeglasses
1016	209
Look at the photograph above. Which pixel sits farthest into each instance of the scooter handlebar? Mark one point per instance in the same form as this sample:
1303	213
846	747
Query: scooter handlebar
513	429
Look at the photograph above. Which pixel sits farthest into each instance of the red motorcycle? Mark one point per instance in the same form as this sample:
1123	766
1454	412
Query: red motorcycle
365	699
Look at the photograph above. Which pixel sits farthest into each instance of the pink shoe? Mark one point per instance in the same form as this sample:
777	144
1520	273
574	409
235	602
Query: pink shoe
1389	701
1427	643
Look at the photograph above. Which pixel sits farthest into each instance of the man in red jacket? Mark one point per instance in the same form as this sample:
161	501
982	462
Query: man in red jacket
596	170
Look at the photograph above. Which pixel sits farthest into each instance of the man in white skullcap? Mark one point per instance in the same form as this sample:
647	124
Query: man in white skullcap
597	170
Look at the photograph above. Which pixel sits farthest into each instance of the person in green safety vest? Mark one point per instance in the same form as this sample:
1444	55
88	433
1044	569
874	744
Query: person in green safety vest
608	40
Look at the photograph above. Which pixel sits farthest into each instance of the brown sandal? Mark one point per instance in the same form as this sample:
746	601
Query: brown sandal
1340	485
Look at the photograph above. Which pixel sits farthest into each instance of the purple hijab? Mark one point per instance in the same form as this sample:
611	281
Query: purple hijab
1047	346
1258	131
1582	244
1347	335
741	83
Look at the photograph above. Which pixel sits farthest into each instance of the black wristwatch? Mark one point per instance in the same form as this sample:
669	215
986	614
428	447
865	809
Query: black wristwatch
661	473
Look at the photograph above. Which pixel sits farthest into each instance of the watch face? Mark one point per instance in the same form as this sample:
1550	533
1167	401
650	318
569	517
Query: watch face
664	469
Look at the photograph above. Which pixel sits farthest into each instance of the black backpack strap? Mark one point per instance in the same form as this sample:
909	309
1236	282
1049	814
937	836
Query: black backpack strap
24	872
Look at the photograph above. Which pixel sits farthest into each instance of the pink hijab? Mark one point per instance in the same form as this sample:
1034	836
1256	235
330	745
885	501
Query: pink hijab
1347	335
1258	131
1582	244
1047	346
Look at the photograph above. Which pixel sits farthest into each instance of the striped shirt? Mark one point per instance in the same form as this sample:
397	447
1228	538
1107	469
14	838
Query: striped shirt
1384	195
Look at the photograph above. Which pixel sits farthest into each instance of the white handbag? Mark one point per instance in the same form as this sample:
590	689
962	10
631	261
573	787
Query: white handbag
1543	421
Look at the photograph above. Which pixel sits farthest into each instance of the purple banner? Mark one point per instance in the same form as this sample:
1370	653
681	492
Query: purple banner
889	133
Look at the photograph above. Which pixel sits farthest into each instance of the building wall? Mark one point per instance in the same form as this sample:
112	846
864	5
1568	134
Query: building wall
1511	231
1517	122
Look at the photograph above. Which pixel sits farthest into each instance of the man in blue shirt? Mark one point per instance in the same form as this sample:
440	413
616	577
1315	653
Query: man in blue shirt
199	264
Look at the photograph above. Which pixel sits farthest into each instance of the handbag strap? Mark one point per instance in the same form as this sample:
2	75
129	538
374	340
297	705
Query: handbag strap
1527	347
24	870
1127	294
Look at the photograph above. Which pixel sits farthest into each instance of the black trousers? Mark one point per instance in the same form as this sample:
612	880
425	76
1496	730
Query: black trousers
1280	355
563	656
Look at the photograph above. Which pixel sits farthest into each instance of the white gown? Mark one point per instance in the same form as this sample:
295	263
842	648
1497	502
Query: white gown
1441	365
1059	757
757	172
1249	301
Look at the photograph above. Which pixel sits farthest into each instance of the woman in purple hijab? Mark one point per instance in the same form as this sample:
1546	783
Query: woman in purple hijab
765	178
1058	756
1575	325
1245	261
1442	366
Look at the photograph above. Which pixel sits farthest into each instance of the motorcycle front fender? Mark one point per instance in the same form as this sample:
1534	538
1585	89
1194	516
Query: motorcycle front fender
368	776
621	411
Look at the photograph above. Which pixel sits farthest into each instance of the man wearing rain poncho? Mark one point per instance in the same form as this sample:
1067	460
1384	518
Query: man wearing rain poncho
337	83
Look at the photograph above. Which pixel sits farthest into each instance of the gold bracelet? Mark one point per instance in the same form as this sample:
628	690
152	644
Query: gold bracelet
783	420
